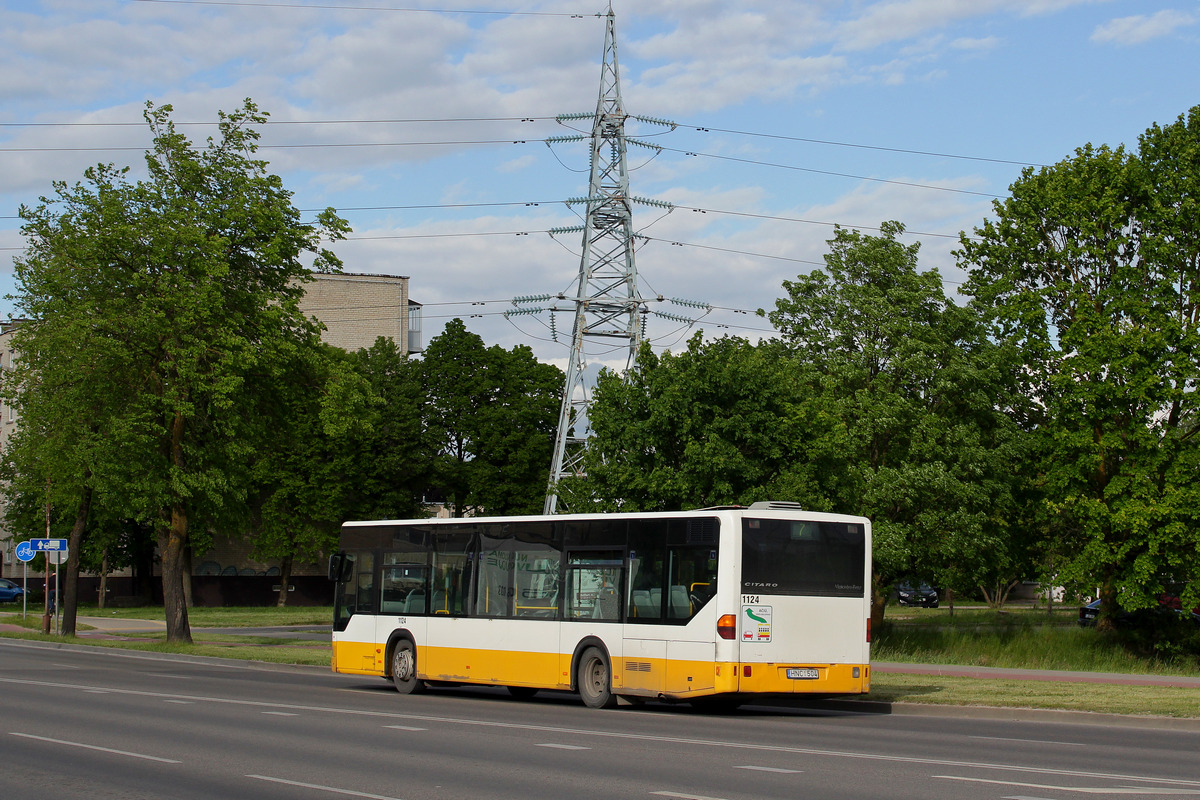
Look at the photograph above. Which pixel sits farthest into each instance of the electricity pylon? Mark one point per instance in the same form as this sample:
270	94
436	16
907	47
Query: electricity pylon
607	305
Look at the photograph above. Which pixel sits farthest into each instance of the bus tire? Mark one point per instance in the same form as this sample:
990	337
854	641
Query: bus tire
404	668
595	679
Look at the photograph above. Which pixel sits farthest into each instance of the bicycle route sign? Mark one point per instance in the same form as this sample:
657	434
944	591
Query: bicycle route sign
27	550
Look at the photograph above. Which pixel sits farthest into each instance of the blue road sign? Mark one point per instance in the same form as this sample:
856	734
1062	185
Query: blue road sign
42	545
25	551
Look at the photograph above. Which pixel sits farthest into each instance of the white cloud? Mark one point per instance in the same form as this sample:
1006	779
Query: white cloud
1141	29
897	20
975	45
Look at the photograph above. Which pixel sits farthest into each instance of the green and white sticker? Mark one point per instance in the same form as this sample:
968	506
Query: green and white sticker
756	623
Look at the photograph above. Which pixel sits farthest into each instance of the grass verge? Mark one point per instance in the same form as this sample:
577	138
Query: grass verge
1160	701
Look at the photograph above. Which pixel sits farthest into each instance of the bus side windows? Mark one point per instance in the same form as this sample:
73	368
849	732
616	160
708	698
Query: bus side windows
593	587
403	589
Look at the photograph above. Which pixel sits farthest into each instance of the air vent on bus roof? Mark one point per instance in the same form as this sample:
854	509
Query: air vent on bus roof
782	505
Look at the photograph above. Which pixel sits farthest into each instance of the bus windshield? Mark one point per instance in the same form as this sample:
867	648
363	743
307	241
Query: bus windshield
803	557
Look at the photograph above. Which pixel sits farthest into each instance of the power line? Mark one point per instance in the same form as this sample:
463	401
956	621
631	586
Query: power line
697	209
705	129
245	3
828	172
529	119
278	122
691	153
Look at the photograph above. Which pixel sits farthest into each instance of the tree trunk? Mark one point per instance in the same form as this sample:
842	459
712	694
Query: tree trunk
285	577
878	604
103	581
186	577
173	543
71	575
1106	619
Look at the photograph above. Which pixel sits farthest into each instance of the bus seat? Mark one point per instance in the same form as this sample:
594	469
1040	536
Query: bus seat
439	603
606	605
415	604
642	605
681	606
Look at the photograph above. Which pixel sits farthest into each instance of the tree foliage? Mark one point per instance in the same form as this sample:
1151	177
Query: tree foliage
490	419
901	411
169	305
1092	269
709	426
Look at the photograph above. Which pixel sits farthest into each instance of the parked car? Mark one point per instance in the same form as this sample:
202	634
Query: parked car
1167	604
922	595
10	592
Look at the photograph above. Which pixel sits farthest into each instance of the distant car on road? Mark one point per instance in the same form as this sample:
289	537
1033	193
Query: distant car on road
922	595
9	591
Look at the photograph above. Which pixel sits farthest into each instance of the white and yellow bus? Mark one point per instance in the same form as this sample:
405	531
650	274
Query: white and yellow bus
713	606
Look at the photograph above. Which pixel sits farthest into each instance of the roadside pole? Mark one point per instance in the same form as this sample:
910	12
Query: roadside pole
25	553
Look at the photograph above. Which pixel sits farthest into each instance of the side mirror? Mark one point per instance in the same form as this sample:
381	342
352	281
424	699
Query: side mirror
335	565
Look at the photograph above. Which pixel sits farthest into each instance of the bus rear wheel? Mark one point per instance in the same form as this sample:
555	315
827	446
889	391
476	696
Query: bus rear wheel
404	668
595	680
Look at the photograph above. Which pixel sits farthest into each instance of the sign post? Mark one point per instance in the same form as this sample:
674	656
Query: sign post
25	553
55	550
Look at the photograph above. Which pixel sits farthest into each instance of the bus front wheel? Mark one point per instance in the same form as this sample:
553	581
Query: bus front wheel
595	680
404	668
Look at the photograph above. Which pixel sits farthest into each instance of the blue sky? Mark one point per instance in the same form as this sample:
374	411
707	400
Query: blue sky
793	115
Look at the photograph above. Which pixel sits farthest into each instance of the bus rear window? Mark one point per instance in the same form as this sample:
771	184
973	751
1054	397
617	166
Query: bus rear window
802	557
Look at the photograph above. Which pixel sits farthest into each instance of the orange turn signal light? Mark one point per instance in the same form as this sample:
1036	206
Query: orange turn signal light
727	626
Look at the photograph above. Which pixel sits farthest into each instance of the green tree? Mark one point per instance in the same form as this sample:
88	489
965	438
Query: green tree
899	411
389	459
490	420
175	297
709	426
302	484
1092	269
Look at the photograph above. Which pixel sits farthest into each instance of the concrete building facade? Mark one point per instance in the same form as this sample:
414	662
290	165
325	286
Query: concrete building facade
356	309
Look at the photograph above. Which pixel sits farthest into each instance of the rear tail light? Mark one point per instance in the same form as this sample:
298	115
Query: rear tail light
868	630
727	627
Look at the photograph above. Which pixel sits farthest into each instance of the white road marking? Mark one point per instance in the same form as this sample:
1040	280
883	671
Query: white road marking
281	713
1125	790
771	769
686	796
563	746
333	789
182	702
405	728
765	748
1027	741
94	747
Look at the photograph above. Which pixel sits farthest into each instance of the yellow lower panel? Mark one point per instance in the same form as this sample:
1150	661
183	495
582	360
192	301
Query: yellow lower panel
831	679
499	667
358	658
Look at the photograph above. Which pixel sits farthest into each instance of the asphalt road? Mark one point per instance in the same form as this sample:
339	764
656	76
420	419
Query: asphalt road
93	723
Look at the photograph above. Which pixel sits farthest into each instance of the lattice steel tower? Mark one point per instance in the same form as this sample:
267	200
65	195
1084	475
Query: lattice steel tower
607	305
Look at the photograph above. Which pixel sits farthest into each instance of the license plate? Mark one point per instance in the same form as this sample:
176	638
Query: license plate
802	673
